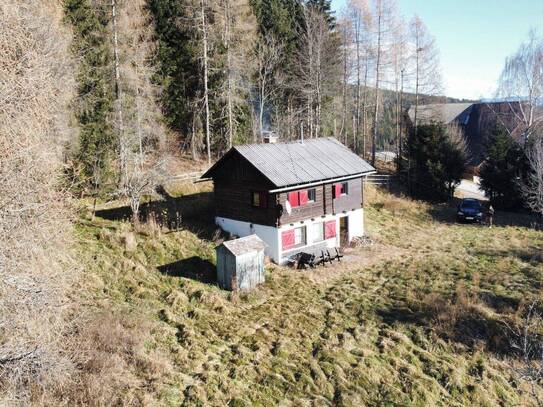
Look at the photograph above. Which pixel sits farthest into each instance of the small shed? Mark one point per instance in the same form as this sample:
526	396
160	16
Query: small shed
240	263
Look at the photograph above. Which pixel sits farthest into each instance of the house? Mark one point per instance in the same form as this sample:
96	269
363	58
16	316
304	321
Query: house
295	196
240	263
477	121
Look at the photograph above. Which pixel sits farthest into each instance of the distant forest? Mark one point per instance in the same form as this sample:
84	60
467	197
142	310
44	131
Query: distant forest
197	77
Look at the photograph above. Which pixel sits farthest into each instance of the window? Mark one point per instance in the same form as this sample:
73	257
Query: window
299	236
293	238
318	232
301	197
341	189
259	199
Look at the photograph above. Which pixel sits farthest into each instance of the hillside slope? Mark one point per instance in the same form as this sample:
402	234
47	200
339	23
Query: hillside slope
413	320
36	86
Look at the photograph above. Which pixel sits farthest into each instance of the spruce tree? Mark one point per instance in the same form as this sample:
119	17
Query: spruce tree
95	95
503	168
434	163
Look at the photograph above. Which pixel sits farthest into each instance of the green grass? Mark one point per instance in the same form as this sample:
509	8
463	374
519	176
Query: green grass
421	325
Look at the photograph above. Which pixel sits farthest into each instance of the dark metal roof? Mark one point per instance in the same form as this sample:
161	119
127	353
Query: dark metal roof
445	113
295	163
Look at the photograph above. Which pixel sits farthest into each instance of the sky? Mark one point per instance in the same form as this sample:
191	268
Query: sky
474	37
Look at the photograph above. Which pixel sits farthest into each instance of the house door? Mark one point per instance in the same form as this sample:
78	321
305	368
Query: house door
344	230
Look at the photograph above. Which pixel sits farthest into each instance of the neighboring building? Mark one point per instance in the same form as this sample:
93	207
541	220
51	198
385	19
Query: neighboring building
295	196
477	120
240	263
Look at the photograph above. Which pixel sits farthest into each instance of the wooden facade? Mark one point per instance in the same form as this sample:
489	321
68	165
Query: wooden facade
325	202
237	180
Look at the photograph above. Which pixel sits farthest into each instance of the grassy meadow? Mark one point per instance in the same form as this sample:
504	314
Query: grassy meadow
417	319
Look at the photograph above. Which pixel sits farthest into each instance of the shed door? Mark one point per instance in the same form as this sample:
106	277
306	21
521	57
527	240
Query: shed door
250	270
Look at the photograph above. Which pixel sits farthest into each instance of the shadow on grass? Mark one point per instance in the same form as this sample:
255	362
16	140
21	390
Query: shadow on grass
193	212
467	325
532	255
195	268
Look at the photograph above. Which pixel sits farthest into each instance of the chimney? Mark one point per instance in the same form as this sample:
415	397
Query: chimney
269	137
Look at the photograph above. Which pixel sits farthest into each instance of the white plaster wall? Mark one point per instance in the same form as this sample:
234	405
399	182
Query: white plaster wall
356	223
272	235
268	234
310	237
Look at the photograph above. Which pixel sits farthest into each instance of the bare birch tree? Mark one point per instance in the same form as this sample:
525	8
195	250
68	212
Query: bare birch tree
521	84
384	15
268	55
426	68
237	36
532	188
399	72
142	135
345	29
360	18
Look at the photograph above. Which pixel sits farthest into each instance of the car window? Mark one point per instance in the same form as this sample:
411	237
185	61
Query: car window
471	205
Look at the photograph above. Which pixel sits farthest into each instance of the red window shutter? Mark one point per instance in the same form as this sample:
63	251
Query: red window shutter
303	197
287	238
293	199
263	199
330	229
337	190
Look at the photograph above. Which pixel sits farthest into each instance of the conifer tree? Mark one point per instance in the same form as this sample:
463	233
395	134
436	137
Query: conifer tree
504	165
92	159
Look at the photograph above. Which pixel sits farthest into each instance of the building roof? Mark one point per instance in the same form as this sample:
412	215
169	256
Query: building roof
442	112
295	163
244	245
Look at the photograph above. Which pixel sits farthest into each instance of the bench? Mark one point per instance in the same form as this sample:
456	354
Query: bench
314	257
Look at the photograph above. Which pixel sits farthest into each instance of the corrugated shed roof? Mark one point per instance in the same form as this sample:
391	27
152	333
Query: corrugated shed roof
245	245
294	163
442	112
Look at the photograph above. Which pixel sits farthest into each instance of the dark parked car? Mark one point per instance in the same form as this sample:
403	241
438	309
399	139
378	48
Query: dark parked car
470	210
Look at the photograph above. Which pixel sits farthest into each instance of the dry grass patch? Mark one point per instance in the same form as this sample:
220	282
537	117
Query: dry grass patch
410	320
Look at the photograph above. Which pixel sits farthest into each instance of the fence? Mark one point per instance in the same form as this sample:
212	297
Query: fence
186	177
379	179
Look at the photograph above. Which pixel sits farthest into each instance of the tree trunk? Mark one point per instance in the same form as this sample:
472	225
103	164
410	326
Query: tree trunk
343	130
206	91
118	102
229	72
357	122
376	108
400	140
365	108
261	113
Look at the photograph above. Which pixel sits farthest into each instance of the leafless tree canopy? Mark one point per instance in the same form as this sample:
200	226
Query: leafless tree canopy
521	83
317	68
268	53
35	84
141	136
533	186
425	62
